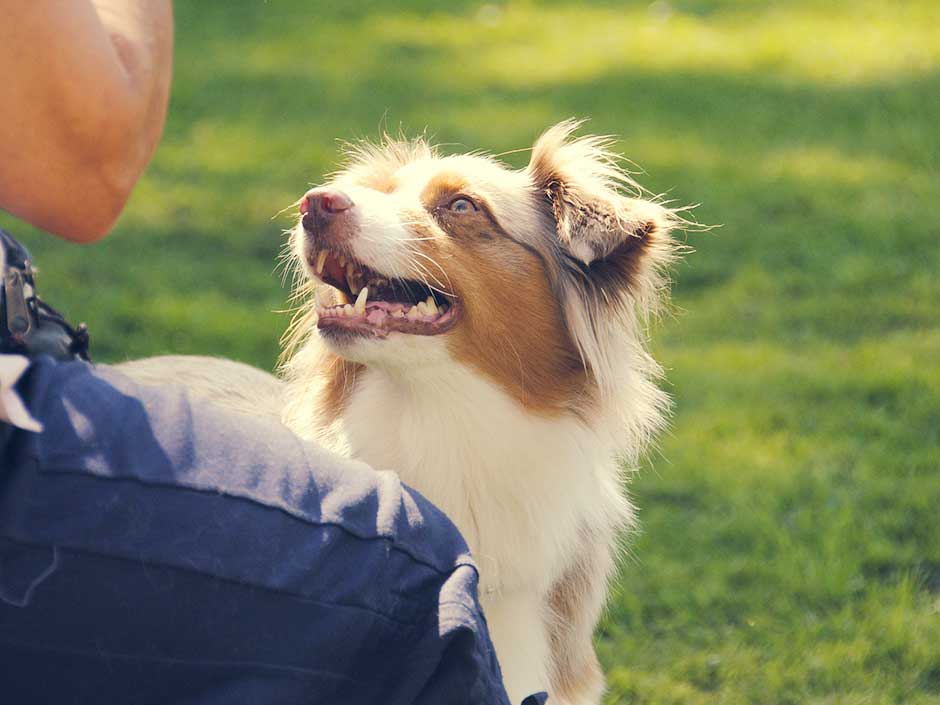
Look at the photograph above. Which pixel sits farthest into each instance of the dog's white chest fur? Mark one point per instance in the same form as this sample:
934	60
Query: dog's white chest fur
521	488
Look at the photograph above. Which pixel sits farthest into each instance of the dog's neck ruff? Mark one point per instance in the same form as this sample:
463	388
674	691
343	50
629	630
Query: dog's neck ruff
522	488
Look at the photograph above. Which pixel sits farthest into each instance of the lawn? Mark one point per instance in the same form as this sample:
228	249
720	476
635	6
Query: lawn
790	545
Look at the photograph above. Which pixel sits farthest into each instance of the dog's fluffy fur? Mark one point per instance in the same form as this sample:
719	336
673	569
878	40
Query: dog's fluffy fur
518	416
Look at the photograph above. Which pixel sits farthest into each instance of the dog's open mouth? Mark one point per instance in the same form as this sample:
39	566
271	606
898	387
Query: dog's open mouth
370	303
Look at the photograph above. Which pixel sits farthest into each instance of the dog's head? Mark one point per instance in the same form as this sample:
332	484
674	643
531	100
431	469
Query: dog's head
540	278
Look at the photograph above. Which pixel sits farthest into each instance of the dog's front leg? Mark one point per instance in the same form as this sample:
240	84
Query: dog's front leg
518	629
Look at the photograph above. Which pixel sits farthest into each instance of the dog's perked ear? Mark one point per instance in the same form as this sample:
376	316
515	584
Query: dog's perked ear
615	247
597	223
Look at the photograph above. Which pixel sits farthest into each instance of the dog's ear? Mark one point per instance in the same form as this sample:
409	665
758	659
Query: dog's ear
615	248
585	190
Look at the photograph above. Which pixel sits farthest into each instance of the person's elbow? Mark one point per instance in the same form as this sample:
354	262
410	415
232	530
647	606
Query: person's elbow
84	214
81	203
100	184
104	191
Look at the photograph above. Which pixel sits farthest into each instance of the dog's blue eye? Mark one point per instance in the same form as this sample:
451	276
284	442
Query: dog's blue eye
462	205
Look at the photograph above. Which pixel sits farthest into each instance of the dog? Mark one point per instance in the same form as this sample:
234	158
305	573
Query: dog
483	331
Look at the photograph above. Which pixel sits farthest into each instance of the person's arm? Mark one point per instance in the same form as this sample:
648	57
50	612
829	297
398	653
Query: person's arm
84	86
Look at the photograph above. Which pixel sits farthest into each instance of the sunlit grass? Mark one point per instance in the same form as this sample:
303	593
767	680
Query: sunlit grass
521	44
790	551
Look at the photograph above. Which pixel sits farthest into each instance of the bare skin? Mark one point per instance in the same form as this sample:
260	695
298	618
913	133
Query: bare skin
84	87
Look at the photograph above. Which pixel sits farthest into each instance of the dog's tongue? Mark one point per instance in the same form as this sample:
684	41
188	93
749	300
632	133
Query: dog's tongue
386	306
379	318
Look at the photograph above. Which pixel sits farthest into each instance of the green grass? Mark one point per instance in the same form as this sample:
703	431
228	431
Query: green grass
790	551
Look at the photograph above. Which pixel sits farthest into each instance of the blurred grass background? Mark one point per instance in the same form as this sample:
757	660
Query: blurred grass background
790	550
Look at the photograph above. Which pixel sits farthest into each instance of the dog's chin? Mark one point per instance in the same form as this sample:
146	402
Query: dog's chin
391	349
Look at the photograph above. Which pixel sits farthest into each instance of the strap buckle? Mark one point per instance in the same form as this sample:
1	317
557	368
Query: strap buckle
19	320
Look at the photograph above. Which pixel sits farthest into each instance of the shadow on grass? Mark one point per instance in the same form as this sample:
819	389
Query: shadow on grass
739	114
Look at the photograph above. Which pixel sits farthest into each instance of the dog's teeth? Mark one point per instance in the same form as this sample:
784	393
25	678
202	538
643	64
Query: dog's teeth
432	307
361	300
413	314
398	314
351	278
348	310
321	260
422	308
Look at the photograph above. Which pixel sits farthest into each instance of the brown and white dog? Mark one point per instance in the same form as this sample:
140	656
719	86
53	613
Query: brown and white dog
481	330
